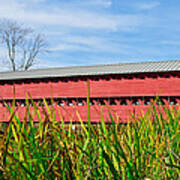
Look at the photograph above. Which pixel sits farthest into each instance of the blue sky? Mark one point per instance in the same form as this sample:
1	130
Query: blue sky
86	32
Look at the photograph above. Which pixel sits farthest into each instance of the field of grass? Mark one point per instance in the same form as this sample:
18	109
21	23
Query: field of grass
147	148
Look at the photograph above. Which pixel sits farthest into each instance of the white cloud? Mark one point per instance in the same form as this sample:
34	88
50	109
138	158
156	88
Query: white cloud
84	20
91	44
64	25
68	17
42	63
86	41
104	3
148	5
68	47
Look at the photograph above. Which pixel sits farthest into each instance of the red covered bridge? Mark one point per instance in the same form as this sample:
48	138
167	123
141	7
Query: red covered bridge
124	88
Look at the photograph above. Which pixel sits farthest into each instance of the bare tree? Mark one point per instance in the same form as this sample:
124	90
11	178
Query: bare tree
22	44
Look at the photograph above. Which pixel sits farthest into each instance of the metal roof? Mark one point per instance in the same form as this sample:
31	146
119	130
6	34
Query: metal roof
123	68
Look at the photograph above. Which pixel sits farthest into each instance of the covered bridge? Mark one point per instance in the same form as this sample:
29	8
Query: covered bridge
121	88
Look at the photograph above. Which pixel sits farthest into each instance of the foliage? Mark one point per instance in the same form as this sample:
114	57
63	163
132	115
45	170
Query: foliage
147	148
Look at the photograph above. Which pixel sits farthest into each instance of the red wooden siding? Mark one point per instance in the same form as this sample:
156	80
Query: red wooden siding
121	113
100	87
124	94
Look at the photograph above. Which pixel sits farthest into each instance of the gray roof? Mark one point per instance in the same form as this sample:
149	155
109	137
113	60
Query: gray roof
123	68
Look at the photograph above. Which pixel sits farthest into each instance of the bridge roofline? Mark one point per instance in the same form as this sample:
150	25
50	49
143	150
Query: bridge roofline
122	68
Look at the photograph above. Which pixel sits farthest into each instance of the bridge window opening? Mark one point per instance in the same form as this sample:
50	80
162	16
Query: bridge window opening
19	82
160	102
55	80
107	78
154	76
112	102
41	103
70	103
52	104
136	102
96	78
173	102
6	103
124	102
22	104
129	77
142	77
48	102
80	103
114	77
91	102
166	76
65	80
125	77
37	102
75	79
119	77
147	102
61	103
30	104
100	102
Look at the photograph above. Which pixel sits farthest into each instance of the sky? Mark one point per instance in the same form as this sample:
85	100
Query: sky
90	32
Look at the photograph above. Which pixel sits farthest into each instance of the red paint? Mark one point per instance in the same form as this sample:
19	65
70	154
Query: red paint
139	85
121	113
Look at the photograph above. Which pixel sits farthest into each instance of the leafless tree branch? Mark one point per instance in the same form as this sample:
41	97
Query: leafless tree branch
23	45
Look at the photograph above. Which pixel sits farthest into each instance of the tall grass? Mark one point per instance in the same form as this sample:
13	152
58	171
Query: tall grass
147	148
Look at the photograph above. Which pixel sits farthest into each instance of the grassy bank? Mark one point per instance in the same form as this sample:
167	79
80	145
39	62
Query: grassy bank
147	148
